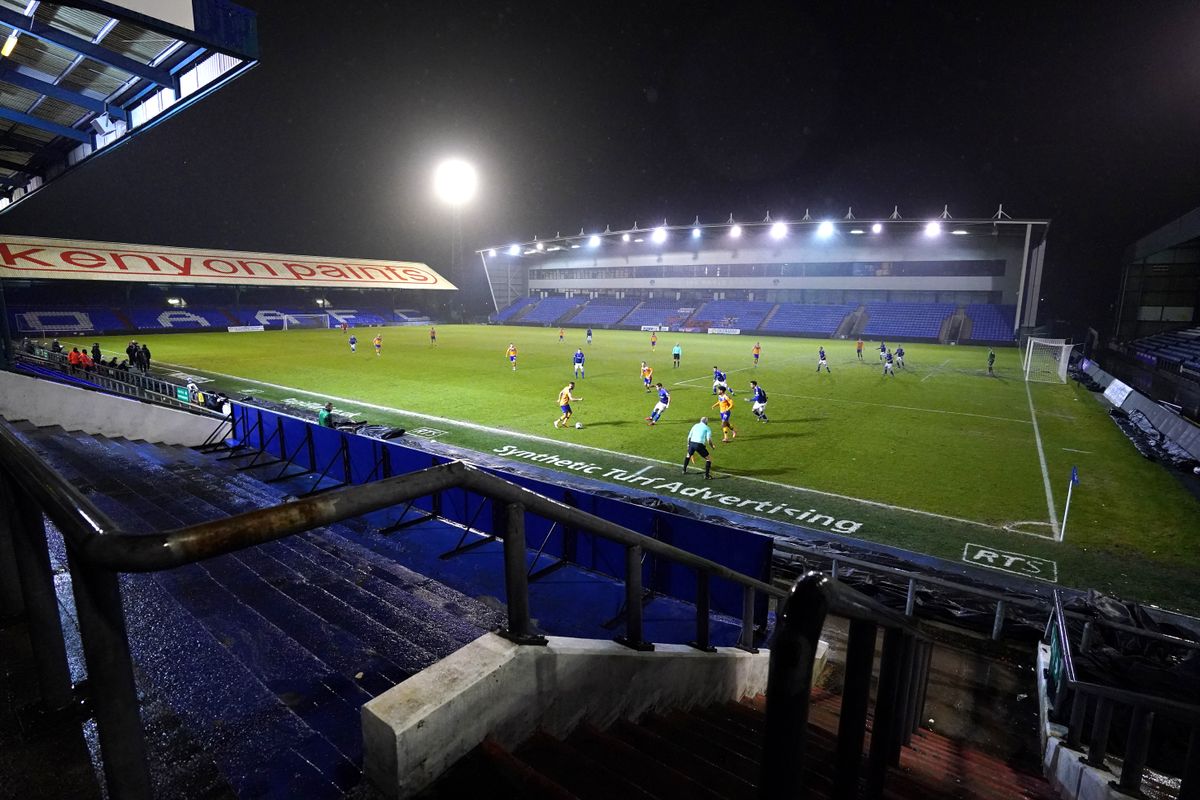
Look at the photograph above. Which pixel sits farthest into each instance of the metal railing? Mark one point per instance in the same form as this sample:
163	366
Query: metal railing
98	550
1099	701
900	697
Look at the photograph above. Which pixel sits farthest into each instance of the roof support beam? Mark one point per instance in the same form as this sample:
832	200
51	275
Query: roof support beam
45	125
60	93
47	33
20	144
15	166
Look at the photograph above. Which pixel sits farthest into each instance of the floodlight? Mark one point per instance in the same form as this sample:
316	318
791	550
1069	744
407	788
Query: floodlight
624	237
933	229
877	228
9	44
454	181
695	233
857	231
735	231
778	230
825	229
593	241
958	232
659	235
514	250
492	253
541	246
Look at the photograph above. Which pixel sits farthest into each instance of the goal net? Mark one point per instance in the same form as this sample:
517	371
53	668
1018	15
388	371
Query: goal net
298	321
1046	360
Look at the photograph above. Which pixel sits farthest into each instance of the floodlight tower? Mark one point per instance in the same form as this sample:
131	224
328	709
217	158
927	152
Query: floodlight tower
454	183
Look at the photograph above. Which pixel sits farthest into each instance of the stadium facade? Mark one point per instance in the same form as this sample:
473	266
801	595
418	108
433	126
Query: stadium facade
844	262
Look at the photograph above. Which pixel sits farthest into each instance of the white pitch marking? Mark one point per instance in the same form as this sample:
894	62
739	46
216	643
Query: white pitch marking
1037	436
561	443
889	405
935	371
1073	450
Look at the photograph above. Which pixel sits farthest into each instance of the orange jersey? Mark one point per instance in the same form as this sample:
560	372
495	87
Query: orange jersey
756	350
647	372
725	402
378	341
511	352
564	397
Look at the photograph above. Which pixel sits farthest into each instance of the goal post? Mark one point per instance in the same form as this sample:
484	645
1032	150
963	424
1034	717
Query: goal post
1046	360
299	321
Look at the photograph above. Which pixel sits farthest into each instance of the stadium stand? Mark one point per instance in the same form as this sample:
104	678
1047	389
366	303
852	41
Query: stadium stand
991	323
603	312
146	319
550	309
744	314
655	312
808	319
507	313
33	320
1170	349
404	316
907	320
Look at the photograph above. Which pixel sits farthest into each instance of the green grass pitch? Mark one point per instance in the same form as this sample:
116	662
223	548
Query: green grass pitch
938	458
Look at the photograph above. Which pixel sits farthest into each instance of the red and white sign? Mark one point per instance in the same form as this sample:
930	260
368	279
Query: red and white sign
35	258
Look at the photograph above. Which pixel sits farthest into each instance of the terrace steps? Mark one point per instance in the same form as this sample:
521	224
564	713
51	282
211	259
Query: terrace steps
714	752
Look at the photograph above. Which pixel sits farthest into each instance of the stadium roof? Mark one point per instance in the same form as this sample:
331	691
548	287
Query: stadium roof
700	232
1183	232
82	75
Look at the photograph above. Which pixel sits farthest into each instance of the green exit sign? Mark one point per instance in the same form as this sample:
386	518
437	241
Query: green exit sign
181	394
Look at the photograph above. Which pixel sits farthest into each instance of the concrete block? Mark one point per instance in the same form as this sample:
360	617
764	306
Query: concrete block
492	687
75	409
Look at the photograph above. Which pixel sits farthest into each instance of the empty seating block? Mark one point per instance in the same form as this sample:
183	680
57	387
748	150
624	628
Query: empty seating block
907	320
147	319
1170	349
810	319
656	312
504	314
603	312
33	320
744	314
991	323
551	308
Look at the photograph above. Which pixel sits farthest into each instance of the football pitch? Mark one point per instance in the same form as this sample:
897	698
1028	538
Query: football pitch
941	459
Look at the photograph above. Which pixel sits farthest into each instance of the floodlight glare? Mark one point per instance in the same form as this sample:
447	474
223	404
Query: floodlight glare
454	181
695	233
624	237
877	228
825	229
778	230
958	232
9	44
594	241
659	236
933	229
735	231
541	246
857	231
514	250
492	253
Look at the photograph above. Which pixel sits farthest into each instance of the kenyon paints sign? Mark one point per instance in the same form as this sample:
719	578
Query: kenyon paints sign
64	259
684	488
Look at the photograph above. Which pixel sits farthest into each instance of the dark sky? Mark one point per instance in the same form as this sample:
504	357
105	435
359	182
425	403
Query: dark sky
587	114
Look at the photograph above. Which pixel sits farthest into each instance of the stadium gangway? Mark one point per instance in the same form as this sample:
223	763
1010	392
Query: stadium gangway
900	695
1099	701
98	551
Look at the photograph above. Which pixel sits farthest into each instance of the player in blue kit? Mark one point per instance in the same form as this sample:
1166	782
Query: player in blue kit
353	343
900	357
578	361
887	365
720	381
759	400
882	351
821	362
664	400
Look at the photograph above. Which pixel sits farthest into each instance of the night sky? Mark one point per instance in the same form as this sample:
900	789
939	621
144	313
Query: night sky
587	114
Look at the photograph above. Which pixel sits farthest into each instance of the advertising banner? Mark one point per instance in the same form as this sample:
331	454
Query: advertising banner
33	258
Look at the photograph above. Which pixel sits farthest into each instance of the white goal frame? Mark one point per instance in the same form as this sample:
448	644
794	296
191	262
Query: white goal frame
325	319
1046	360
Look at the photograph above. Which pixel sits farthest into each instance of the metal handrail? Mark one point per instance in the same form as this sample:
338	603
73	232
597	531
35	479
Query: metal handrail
97	538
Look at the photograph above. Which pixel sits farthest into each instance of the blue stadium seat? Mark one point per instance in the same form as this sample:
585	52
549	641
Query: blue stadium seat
809	319
991	323
551	308
603	312
907	320
744	314
506	313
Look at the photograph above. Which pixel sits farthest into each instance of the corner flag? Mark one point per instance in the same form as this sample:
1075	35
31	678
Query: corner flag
1062	532
1075	476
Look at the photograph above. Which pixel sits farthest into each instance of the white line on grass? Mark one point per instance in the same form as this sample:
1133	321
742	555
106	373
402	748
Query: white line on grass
935	370
1073	450
889	405
1037	436
561	443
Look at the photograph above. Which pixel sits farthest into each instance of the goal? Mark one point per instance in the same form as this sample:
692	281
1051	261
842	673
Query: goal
297	321
1046	360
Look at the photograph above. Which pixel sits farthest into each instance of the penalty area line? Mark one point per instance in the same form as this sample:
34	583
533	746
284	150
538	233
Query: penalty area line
561	443
1037	437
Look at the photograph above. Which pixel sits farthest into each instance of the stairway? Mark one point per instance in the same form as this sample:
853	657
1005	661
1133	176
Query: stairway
263	657
712	753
